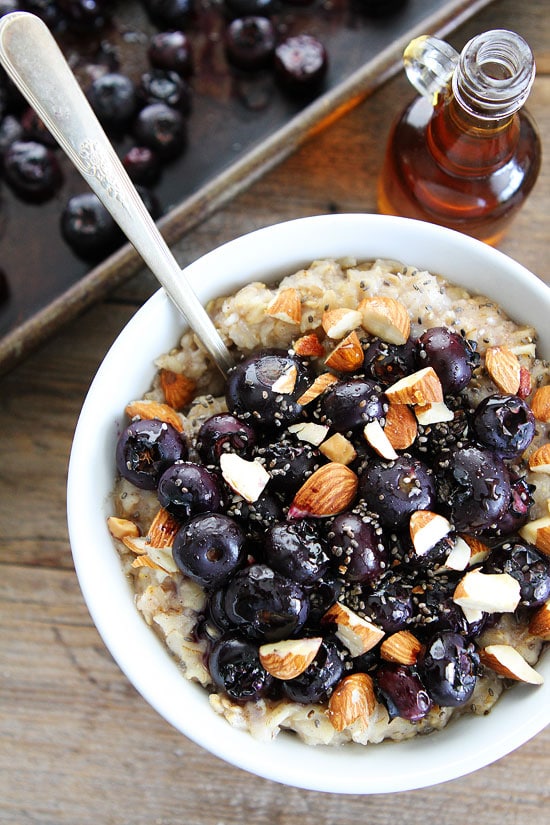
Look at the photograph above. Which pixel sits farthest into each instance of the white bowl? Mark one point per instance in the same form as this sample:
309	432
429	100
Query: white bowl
126	372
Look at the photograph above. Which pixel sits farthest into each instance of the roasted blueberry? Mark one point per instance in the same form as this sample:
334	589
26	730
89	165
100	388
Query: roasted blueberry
170	13
474	484
222	433
296	550
351	403
517	513
252	389
356	546
142	165
172	51
301	63
163	129
450	355
387	363
289	463
186	489
112	96
322	594
250	42
395	489
504	424
526	564
434	608
264	604
256	516
431	439
235	668
402	691
209	548
389	604
32	170
449	668
318	681
145	449
88	228
163	86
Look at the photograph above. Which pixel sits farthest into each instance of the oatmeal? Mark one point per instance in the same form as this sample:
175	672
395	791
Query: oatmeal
349	539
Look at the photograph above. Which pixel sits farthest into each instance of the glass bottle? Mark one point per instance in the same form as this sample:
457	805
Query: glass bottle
465	153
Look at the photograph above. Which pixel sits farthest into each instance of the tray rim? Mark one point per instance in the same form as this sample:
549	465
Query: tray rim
216	193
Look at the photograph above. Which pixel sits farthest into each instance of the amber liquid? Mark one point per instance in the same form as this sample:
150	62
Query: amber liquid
444	166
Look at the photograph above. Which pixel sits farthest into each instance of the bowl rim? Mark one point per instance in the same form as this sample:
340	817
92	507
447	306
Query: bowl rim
140	653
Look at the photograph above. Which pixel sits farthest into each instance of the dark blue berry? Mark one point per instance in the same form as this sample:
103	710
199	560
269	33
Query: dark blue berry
449	667
88	228
172	51
145	449
186	489
235	668
209	548
351	403
32	170
402	691
505	424
113	98
222	433
356	546
318	681
296	550
395	489
450	355
526	564
163	129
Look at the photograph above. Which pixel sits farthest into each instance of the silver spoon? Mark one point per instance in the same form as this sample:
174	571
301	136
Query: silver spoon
38	68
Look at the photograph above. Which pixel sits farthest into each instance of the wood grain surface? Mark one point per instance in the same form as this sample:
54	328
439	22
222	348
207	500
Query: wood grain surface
78	745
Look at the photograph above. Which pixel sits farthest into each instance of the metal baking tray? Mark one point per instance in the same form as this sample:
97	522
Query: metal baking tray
239	127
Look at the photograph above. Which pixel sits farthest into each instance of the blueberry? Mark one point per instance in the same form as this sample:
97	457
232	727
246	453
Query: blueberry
449	667
163	86
246	8
434	608
172	51
209	548
387	363
526	564
250	394
296	550
389	604
402	691
32	170
431	439
356	546
450	355
170	13
351	403
289	463
505	424
86	16
395	489
88	228
186	489
113	98
301	63
318	681
145	449
163	129
235	668
265	605
222	433
142	165
517	513
250	42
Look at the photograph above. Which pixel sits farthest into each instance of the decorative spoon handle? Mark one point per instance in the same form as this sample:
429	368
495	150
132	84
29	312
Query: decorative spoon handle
38	68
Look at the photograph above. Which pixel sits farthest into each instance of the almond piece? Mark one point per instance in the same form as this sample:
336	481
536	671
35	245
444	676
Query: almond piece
539	461
286	306
459	557
286	382
328	491
178	389
309	431
146	561
308	345
478	550
379	441
162	530
426	529
357	634
247	478
540	405
540	622
507	661
385	317
435	413
419	388
490	592
402	647
289	658
524	389
154	409
319	386
537	532
400	427
120	528
136	544
347	356
338	448
504	368
352	699
338	323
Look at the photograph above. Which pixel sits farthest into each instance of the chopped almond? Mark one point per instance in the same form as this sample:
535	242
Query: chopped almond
507	661
319	386
353	699
400	427
387	318
539	460
289	658
402	647
178	390
163	529
504	368
309	345
420	388
120	528
338	448
490	592
376	436
286	306
327	492
338	323
357	634
426	529
154	410
537	532
347	356
540	622
540	404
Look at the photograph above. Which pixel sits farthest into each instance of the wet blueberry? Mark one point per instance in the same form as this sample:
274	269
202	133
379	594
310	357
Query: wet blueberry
351	403
86	16
112	96
142	165
163	86
235	667
264	604
289	463
250	42
163	129
526	564
209	548
356	546
403	692
145	449
389	604
318	680
32	170
170	13
504	424
517	513
186	489
221	433
449	669
387	363
395	489
450	355
172	51
88	228
296	550
301	63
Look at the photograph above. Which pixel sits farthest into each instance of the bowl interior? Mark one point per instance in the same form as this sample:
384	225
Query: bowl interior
127	372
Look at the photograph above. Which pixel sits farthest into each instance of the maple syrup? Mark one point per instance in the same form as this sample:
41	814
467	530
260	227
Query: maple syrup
465	153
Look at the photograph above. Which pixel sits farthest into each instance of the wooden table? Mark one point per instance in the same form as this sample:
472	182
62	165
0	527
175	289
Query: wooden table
78	745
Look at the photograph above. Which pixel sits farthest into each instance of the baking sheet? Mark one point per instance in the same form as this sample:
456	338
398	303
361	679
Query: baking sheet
240	126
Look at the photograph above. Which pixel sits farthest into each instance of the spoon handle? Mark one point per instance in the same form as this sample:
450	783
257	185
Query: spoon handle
33	60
